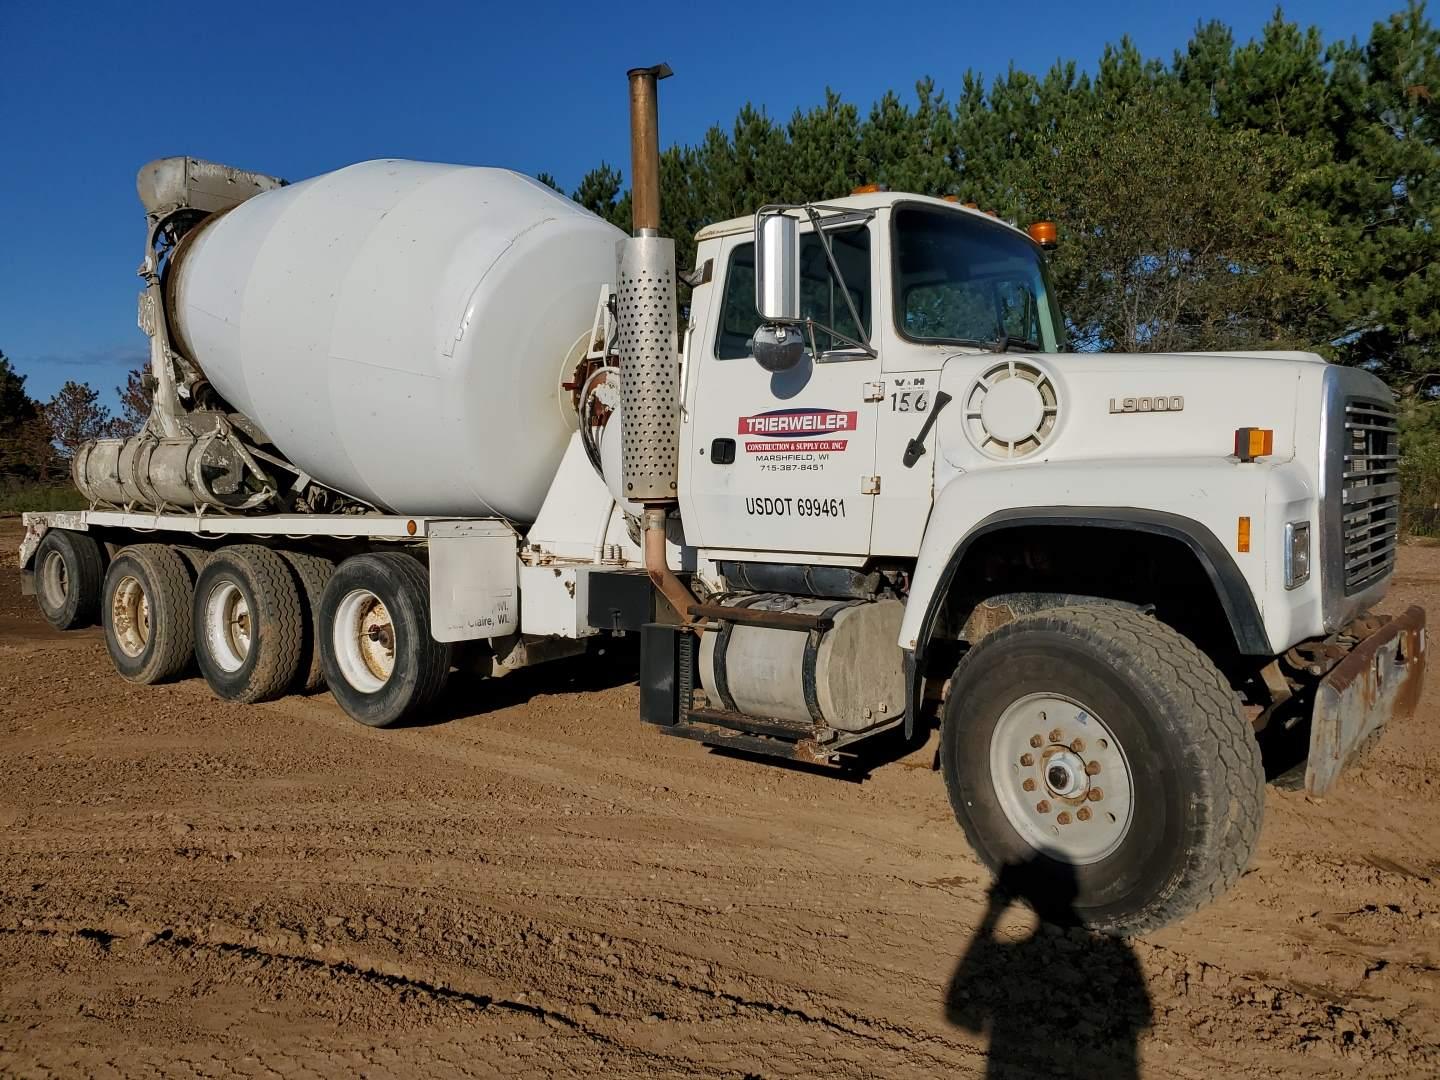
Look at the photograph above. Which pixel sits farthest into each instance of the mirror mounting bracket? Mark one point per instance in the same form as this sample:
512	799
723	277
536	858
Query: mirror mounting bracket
842	215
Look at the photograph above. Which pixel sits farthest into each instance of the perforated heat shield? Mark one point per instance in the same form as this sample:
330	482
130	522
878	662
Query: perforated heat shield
649	374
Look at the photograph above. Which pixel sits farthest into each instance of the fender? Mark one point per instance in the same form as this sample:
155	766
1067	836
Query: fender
1234	593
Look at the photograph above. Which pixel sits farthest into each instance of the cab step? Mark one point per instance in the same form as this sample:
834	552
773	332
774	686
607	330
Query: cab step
772	738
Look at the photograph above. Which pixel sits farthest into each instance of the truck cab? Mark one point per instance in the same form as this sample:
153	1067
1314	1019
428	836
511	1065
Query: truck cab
809	465
810	458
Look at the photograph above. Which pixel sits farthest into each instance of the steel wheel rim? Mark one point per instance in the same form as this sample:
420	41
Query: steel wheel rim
130	616
54	580
364	640
228	626
1062	778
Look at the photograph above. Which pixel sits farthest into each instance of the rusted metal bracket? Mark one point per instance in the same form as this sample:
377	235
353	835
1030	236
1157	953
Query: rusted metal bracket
776	620
1378	681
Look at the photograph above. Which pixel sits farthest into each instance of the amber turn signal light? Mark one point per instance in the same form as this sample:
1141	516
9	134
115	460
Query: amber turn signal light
1253	442
1043	233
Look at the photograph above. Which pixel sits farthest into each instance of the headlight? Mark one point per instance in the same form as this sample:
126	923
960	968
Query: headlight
1297	553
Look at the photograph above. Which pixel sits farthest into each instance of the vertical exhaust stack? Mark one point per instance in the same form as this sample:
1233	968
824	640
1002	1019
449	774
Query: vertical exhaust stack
645	299
645	147
646	341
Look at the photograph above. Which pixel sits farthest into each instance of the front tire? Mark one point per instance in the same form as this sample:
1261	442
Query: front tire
69	574
145	608
380	661
249	631
1101	751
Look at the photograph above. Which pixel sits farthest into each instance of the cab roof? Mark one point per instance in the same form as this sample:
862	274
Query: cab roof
876	200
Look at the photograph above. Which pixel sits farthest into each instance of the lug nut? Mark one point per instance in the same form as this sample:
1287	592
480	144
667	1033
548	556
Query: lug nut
1043	806
1063	817
1092	768
1083	813
1095	794
1028	785
1036	741
1055	735
1027	759
1078	746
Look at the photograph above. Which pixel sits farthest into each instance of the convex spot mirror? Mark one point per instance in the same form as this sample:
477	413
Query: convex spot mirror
777	348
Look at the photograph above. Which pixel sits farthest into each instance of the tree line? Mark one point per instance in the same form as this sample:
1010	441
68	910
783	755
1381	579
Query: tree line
1277	193
1280	193
38	439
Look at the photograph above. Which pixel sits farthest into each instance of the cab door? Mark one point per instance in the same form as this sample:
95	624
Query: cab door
784	462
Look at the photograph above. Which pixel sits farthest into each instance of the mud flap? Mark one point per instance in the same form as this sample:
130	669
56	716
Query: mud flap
1380	680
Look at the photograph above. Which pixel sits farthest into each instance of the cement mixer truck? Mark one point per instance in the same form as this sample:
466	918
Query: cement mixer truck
410	418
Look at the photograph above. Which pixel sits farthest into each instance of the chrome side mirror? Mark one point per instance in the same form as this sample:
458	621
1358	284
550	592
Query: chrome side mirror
777	267
778	344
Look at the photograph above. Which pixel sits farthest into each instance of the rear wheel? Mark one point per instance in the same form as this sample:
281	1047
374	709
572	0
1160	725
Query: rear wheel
145	608
248	625
1097	757
380	661
313	573
69	574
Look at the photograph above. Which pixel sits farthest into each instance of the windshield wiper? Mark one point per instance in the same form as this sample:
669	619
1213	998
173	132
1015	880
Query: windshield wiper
1004	343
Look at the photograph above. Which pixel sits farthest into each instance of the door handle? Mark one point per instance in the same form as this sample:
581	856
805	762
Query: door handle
915	448
722	451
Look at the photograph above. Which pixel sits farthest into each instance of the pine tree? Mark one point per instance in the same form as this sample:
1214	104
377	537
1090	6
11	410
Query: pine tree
134	404
599	191
76	416
25	451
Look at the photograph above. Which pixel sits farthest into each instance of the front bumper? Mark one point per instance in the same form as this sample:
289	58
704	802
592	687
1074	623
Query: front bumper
1378	680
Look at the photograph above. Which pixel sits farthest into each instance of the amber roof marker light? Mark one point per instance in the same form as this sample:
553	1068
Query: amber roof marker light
1044	233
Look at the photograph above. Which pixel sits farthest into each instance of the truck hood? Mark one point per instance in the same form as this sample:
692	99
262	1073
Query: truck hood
1015	407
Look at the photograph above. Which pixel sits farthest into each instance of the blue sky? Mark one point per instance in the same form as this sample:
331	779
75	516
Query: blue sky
91	91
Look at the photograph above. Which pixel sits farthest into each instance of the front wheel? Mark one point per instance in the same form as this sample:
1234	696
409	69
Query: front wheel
380	661
1099	758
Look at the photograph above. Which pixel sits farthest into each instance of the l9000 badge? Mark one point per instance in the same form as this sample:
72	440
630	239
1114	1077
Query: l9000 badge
1147	404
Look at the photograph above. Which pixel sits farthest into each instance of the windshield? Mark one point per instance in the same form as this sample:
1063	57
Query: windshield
962	280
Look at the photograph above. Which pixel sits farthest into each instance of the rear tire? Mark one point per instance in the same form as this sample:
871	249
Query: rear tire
380	661
145	609
1116	723
195	558
69	576
248	625
312	573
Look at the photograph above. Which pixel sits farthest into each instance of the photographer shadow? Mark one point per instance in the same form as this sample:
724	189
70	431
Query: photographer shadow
1063	1002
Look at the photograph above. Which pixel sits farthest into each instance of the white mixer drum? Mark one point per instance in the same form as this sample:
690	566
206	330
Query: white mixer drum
400	329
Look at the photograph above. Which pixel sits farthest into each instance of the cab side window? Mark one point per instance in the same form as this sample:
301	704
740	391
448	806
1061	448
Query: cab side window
820	297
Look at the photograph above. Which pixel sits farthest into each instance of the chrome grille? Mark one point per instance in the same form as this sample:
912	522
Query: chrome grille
1370	492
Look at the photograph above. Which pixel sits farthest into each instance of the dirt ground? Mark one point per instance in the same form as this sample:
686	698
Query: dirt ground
538	884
